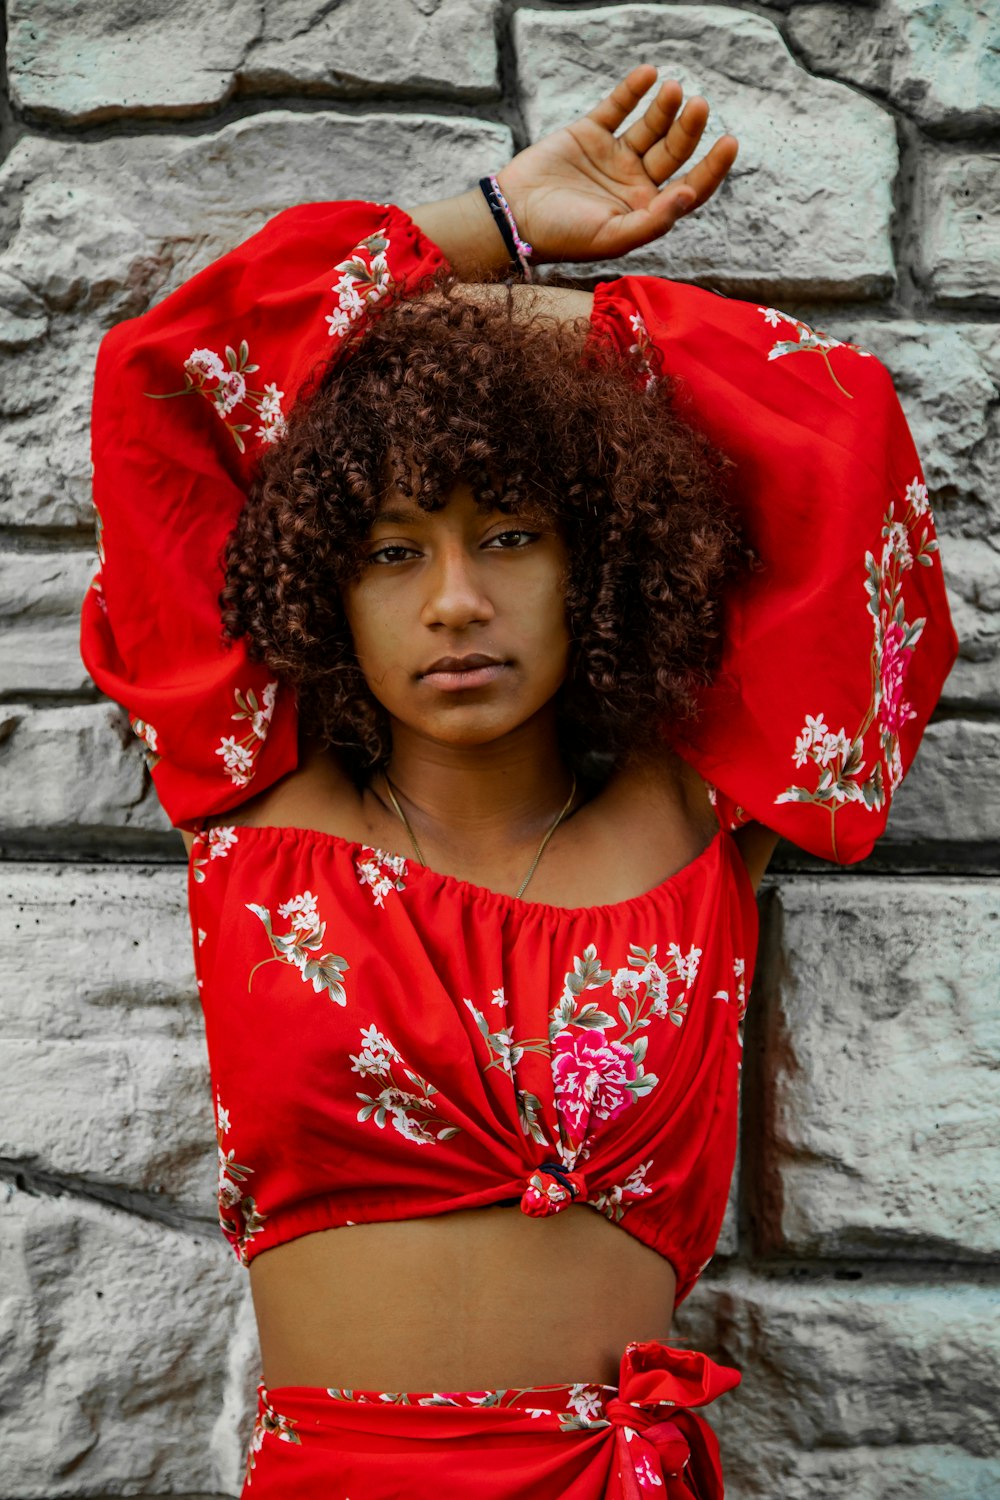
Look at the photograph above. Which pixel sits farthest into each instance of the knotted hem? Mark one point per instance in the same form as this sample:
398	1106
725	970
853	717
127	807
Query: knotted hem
635	1441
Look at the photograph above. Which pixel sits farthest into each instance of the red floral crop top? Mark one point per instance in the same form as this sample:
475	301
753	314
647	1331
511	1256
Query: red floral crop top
387	1042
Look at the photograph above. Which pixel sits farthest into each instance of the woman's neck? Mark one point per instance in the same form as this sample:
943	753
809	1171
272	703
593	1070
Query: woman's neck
480	797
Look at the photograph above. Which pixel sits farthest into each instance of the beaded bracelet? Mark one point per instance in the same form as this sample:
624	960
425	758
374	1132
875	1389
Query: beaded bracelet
517	249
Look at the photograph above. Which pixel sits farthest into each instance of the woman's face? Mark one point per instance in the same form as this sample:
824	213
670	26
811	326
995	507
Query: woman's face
458	617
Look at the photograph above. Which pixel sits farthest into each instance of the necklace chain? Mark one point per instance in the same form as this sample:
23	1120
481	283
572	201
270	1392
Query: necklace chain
541	848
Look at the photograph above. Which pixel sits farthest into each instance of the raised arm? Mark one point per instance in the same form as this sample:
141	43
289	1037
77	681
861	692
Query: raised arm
582	192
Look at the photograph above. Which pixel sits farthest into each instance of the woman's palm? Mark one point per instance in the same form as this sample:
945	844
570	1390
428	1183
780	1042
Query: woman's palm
583	193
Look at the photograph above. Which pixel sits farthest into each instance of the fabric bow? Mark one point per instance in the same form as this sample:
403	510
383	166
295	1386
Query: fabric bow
663	1446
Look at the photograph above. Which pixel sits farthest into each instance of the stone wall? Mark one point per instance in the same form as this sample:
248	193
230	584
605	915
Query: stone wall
855	1284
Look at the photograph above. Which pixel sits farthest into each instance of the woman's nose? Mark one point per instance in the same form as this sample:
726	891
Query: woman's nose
455	595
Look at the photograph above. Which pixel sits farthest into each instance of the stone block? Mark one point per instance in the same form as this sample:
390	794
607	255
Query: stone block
875	1062
951	795
40	598
116	1334
102	1050
959	251
937	63
947	377
73	770
99	230
859	1387
771	230
80	65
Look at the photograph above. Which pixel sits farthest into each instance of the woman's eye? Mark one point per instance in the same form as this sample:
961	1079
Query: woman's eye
509	540
393	553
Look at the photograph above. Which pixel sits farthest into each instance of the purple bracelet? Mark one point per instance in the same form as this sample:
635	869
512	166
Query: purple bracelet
517	249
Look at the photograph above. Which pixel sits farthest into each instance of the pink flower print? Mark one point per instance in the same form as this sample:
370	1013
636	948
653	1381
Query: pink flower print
205	363
591	1074
893	709
230	392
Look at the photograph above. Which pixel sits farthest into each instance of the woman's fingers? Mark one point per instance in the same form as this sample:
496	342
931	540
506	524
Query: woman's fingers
624	97
662	159
659	117
706	175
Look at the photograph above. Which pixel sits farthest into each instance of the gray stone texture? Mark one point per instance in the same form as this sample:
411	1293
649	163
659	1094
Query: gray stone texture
959	259
937	62
80	64
861	1387
807	208
876	1072
854	1282
99	230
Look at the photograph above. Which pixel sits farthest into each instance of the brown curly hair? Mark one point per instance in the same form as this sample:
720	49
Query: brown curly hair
482	388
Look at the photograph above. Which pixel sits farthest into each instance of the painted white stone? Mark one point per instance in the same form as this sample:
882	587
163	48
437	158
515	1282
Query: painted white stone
959	253
40	597
76	768
855	1387
115	1333
951	794
937	61
104	228
81	64
879	1047
807	207
108	950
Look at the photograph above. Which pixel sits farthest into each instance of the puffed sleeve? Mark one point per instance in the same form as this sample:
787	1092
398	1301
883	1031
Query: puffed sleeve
186	398
837	647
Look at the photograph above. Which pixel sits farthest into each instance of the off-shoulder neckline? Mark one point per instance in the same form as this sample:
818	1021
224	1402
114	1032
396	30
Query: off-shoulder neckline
713	850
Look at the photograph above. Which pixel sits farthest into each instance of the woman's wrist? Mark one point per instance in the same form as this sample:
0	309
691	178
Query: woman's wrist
464	230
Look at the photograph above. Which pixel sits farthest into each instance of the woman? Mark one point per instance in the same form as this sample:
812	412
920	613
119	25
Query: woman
424	594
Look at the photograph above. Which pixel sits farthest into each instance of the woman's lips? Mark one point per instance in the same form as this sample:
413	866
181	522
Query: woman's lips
453	681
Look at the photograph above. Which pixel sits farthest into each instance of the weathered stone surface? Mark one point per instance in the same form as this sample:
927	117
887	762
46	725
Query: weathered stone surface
959	253
947	377
771	229
40	597
937	61
100	230
80	64
108	949
73	769
113	1000
972	569
865	1389
951	795
115	1334
876	1060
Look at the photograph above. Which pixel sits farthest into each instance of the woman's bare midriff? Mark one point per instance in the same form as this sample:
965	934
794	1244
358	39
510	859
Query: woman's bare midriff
480	1299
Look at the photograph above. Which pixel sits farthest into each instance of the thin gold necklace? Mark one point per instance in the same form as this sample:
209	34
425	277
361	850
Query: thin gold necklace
541	848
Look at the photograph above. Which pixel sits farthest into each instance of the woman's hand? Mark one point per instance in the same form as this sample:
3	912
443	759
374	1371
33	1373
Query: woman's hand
583	193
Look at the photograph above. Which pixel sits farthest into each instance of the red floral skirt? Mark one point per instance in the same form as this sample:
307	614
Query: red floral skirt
585	1442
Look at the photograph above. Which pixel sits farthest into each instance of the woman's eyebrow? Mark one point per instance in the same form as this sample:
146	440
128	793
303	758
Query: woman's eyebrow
398	514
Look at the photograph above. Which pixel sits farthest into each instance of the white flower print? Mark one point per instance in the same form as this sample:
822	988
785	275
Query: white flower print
646	1474
381	872
239	1218
498	997
239	756
217	841
360	283
916	497
301	945
585	1400
225	385
643	349
852	770
414	1115
807	341
614	1201
145	732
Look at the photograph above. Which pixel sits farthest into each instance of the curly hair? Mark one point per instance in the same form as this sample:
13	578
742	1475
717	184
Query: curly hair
447	384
